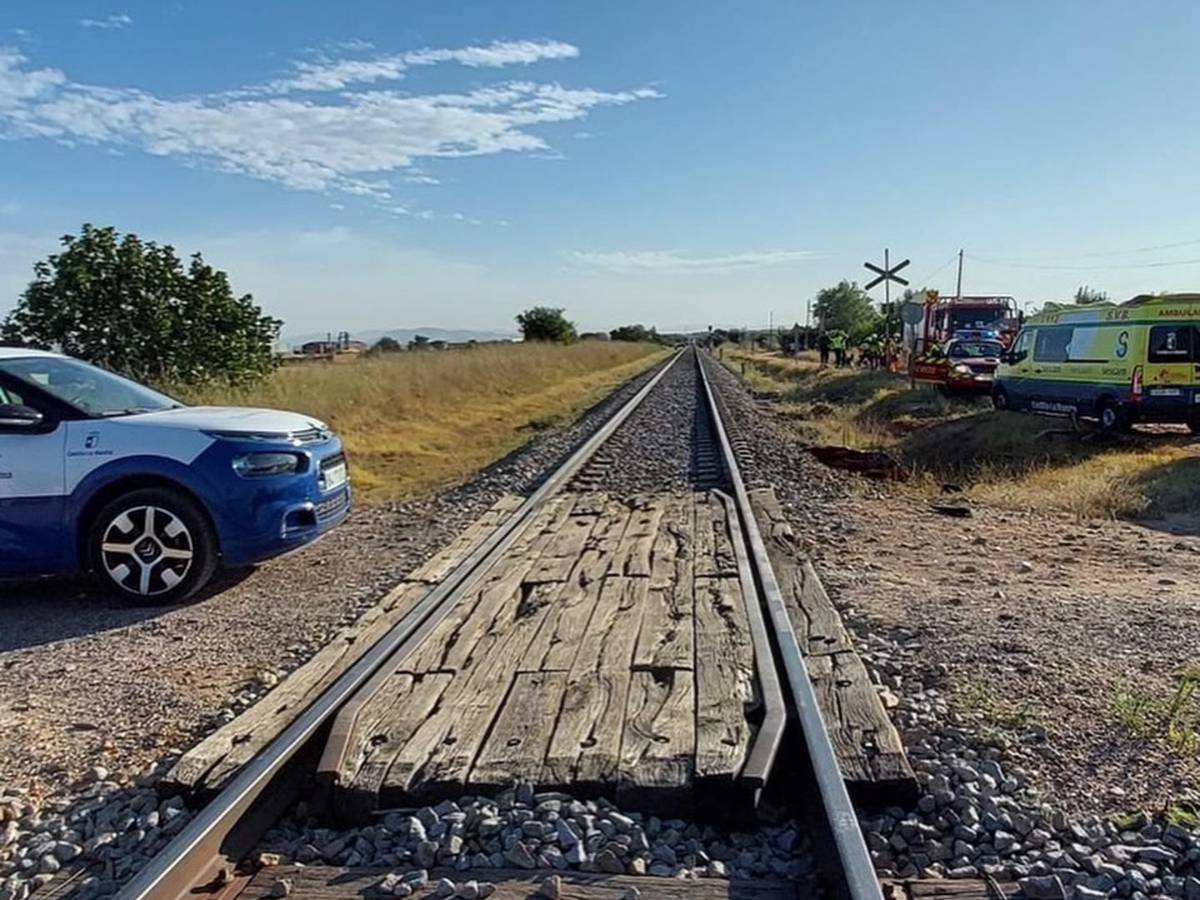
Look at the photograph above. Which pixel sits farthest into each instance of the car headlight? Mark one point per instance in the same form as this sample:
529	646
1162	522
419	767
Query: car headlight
264	465
962	369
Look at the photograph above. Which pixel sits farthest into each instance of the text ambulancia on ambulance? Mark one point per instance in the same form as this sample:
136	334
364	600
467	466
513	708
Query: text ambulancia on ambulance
103	475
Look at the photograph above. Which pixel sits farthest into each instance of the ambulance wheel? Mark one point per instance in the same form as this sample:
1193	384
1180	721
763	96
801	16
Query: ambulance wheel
152	546
999	398
1112	418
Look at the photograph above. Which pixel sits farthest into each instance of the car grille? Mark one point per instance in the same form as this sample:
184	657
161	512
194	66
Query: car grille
333	507
983	370
330	461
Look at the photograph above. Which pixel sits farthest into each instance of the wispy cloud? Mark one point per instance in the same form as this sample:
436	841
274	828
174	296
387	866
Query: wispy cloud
667	261
335	140
331	74
116	20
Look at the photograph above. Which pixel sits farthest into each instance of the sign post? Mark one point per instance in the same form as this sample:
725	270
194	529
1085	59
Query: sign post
886	275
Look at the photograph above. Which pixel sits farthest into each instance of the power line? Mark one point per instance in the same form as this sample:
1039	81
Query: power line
1026	265
936	271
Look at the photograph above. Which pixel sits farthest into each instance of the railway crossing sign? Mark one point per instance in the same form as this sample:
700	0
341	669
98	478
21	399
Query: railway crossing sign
887	273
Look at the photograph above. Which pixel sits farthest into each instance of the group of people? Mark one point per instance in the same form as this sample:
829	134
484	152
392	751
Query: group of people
874	352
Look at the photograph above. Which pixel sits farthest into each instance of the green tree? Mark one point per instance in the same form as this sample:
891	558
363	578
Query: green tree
846	307
418	342
634	333
386	345
131	306
1085	296
546	323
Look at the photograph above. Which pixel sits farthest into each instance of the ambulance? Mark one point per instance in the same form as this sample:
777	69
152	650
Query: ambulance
1137	361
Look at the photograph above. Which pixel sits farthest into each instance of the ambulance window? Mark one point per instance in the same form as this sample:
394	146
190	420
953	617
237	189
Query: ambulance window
1171	344
1050	345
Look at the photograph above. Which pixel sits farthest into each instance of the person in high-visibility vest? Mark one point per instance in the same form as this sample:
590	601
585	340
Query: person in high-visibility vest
838	343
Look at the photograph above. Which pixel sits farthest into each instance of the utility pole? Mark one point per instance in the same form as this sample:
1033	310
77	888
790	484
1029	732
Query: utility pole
958	288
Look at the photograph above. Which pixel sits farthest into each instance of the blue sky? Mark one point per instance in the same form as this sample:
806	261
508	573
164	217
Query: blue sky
402	163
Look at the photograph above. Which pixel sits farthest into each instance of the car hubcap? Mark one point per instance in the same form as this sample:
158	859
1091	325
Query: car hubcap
147	550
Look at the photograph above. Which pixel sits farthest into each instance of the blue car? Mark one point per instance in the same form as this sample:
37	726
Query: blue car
100	474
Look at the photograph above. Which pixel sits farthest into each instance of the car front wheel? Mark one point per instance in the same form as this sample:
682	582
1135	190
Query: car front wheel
152	546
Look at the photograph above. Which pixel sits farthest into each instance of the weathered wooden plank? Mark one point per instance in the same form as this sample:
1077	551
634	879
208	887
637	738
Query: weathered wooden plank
638	543
948	889
666	637
334	883
562	553
585	749
212	762
450	644
438	757
435	570
714	548
515	749
726	687
454	642
658	745
209	765
868	748
817	622
404	702
555	645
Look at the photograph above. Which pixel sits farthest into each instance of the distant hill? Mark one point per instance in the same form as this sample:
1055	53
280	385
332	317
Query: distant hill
404	335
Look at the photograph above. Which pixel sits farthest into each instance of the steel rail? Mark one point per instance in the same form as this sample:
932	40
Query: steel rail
761	758
194	856
855	861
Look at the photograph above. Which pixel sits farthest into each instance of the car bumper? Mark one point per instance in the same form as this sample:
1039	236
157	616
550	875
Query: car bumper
258	518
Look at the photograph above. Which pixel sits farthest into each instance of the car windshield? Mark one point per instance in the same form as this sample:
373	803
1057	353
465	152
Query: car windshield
990	317
963	349
90	390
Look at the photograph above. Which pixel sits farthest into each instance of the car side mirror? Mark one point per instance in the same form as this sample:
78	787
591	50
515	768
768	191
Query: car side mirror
16	417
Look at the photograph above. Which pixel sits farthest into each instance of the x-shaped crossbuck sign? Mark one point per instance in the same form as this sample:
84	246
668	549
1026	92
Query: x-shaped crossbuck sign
886	274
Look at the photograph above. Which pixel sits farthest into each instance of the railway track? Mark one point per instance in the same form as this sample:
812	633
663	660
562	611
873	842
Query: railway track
777	756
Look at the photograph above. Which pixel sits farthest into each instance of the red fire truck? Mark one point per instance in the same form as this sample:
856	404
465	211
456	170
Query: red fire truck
934	324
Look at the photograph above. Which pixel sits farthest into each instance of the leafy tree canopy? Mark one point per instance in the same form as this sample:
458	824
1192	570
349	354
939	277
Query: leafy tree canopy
634	333
846	307
386	345
546	323
131	306
1085	296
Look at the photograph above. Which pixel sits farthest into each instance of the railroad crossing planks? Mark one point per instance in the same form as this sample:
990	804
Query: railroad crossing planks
209	765
332	883
592	657
869	750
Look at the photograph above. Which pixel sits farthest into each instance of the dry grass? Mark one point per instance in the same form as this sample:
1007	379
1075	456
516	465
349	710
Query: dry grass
1007	459
413	422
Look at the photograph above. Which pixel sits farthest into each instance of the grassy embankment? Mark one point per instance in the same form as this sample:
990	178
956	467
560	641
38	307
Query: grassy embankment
413	422
1007	459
